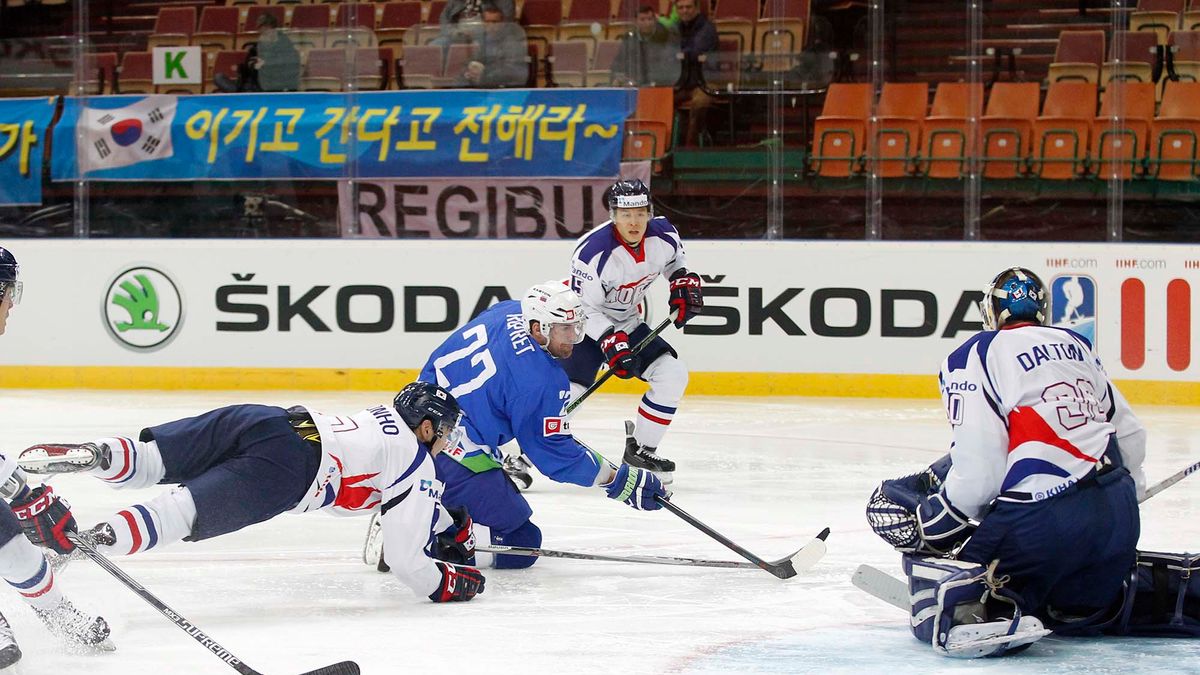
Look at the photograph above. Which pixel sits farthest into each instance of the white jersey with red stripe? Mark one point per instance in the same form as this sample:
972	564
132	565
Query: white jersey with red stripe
612	278
371	461
1032	412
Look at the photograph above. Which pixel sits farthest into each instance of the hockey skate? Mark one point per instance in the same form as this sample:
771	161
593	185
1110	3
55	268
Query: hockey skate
77	628
993	638
10	653
517	468
373	547
642	457
53	458
100	535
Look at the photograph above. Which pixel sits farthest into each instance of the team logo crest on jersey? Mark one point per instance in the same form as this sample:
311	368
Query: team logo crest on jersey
1073	304
555	426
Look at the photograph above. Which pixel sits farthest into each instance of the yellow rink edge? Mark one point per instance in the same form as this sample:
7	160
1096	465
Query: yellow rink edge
860	385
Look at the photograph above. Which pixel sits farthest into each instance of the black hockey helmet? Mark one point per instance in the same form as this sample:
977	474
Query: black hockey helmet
628	194
420	401
9	275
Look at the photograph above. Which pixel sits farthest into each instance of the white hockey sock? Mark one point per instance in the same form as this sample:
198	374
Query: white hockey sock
165	519
483	533
24	567
668	378
134	464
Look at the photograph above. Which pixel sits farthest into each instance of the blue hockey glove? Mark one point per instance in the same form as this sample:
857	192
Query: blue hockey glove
637	488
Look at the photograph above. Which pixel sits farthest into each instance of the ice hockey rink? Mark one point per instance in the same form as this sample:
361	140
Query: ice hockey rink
291	594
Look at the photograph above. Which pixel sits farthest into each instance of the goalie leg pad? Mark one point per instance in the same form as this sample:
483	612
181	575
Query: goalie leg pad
961	610
1161	598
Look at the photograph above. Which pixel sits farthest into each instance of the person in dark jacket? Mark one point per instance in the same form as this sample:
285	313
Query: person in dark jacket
697	35
648	54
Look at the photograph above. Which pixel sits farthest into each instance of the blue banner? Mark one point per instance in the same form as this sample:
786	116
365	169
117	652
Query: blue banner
401	134
23	123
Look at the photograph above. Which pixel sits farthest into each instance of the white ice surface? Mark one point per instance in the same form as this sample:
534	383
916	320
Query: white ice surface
290	595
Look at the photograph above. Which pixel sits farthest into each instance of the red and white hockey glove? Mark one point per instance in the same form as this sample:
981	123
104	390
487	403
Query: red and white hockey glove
687	296
615	345
456	544
459	584
46	519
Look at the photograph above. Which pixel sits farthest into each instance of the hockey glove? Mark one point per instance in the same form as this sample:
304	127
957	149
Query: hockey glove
459	584
637	488
687	296
456	544
46	519
615	344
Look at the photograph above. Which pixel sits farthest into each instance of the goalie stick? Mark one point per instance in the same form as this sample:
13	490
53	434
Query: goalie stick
893	591
781	568
810	554
343	668
609	373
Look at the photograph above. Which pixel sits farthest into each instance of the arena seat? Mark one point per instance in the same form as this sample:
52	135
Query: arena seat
173	27
218	28
900	113
1061	134
1078	56
1121	152
840	130
945	130
1007	127
397	19
1137	65
1158	16
137	74
1176	130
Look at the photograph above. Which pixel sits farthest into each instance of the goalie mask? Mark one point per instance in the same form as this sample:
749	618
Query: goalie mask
9	271
420	401
1016	294
557	309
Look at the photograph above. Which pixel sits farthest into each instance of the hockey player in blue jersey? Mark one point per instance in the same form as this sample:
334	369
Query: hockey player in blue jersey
1031	522
504	367
23	565
612	268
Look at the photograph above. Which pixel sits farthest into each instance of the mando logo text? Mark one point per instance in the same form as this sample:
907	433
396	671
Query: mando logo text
143	309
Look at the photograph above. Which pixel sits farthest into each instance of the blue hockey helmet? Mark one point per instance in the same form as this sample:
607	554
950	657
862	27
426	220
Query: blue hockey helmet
1016	294
420	401
9	275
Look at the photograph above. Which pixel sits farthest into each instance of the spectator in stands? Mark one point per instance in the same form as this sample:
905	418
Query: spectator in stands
461	19
697	35
272	63
648	54
500	53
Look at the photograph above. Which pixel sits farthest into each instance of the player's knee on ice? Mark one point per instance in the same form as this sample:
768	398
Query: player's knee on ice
527	535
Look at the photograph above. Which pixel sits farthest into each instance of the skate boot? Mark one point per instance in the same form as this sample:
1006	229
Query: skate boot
373	547
52	458
642	457
517	468
100	535
10	653
77	628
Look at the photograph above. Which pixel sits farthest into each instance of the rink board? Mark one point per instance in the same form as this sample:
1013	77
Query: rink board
867	319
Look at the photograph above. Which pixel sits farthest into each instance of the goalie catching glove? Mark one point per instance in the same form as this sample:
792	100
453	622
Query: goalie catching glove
913	514
459	584
46	519
687	296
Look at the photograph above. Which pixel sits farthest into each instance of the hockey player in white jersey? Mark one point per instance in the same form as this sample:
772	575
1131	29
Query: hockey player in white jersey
1031	521
23	565
611	270
245	464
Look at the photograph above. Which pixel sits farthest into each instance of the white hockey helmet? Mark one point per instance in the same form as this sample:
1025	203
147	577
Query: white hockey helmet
553	303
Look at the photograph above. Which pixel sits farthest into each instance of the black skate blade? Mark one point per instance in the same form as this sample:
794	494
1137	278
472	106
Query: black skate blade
343	668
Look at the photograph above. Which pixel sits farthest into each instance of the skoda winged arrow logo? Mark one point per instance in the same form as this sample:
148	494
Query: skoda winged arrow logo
143	309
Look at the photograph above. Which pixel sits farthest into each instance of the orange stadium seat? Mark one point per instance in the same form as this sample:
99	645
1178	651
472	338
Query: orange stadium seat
840	130
945	130
1007	127
780	33
1078	56
1118	151
173	27
1158	16
900	113
1174	144
1061	134
1137	51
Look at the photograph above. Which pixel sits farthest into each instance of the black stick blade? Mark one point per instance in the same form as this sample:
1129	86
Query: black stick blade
343	668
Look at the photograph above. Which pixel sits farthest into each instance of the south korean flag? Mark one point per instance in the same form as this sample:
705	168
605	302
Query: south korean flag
116	137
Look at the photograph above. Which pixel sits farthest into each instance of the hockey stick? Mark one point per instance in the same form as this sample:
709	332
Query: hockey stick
801	560
782	568
882	585
343	668
1170	480
609	373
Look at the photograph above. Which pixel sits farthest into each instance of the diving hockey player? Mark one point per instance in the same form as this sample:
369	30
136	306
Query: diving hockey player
245	464
23	565
504	369
611	270
1031	521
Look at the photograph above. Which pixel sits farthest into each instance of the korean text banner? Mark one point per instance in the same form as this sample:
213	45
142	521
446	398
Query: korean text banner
23	123
408	134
